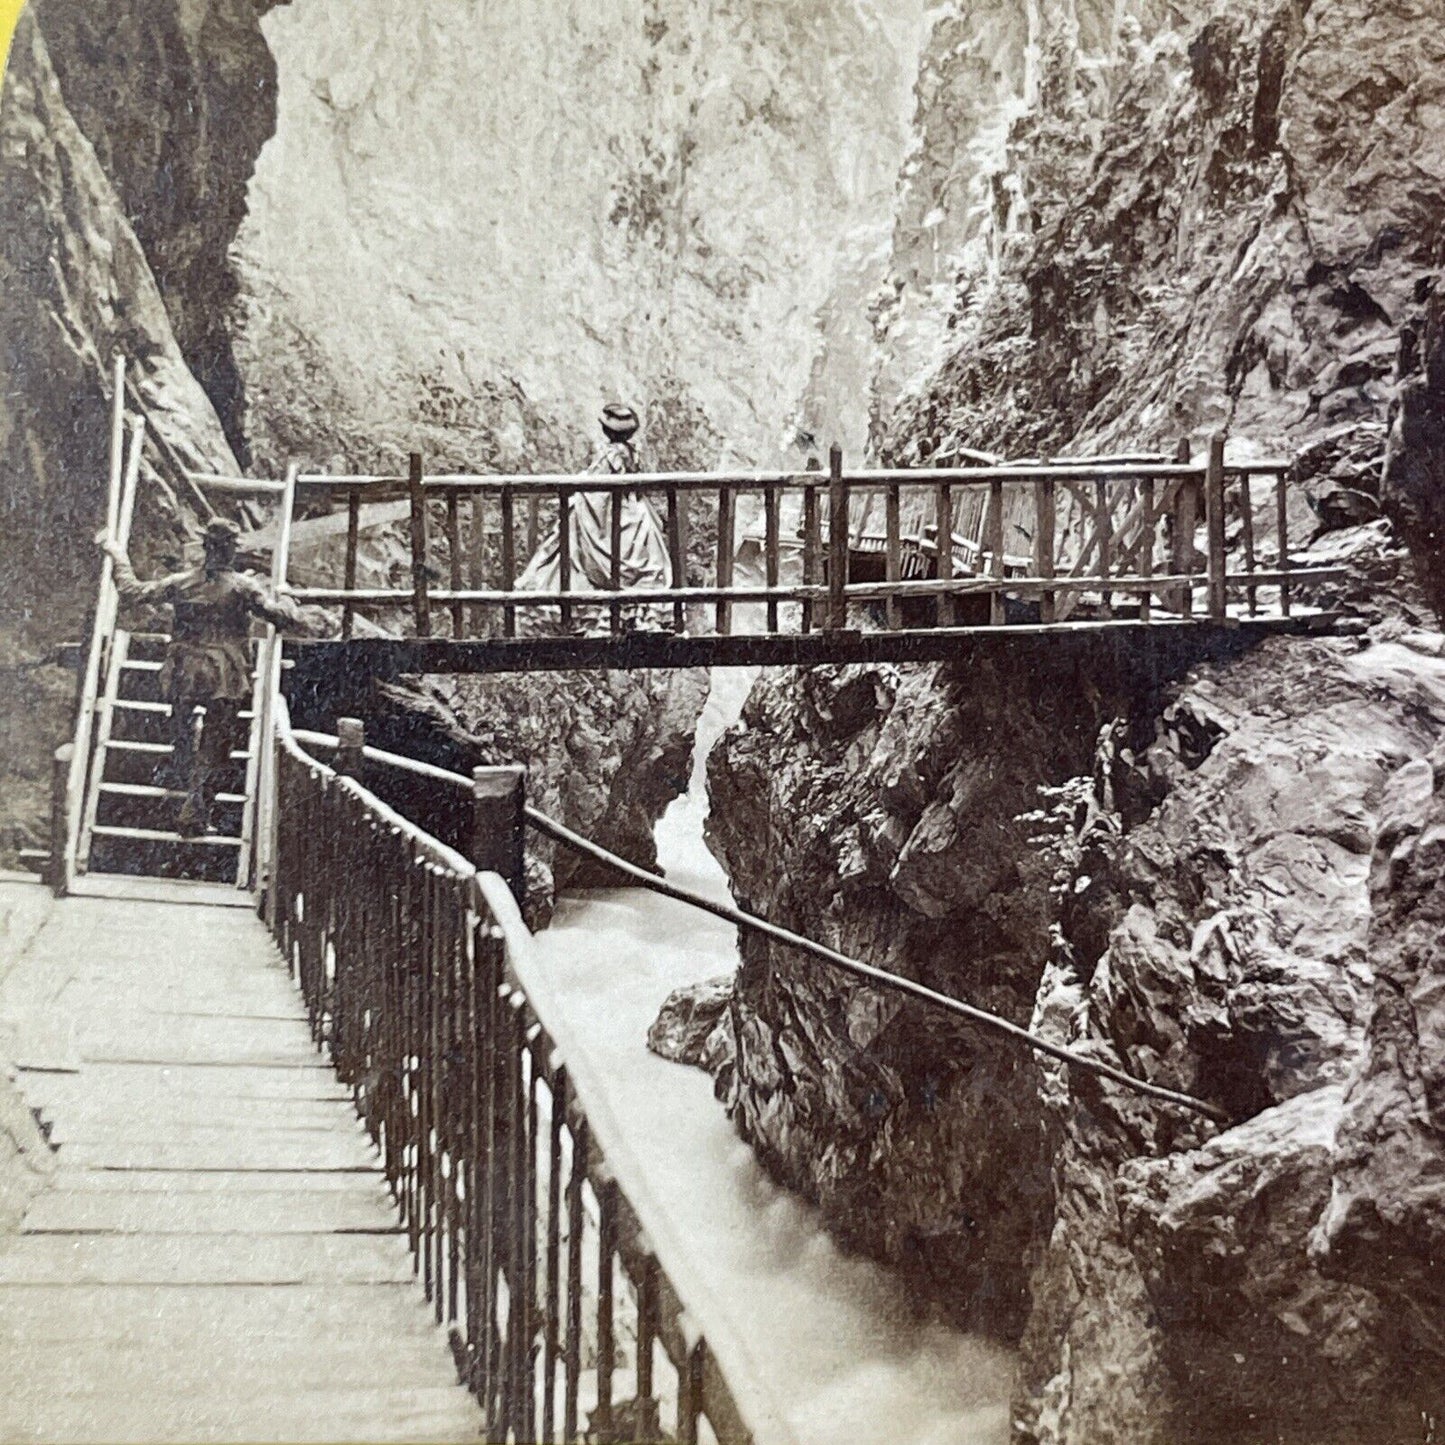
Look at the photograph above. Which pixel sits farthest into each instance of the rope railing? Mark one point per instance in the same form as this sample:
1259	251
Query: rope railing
572	1308
869	973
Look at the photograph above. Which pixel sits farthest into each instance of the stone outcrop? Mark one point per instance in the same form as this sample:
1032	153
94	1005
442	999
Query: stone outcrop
1384	1229
546	206
1176	1298
177	100
77	288
878	810
1224	219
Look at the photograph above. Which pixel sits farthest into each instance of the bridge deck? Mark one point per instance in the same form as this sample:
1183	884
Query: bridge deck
217	1257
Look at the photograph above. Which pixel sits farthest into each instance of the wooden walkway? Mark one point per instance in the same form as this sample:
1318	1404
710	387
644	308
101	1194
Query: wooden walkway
217	1257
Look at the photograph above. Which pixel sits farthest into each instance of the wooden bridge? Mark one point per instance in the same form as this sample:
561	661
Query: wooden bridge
487	1175
841	566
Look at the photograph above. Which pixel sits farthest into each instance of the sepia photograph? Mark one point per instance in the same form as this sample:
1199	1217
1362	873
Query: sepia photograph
722	722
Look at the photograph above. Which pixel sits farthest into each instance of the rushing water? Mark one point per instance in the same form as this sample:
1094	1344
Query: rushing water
835	1338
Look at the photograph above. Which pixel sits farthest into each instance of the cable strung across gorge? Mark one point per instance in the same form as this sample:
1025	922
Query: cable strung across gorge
575	841
560	833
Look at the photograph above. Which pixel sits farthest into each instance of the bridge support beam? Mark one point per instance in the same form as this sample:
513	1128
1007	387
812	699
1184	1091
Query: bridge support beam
499	795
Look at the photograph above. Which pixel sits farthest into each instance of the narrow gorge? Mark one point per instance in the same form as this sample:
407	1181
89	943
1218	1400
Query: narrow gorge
331	234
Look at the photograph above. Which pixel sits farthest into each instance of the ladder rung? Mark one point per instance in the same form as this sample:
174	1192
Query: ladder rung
156	835
140	665
35	855
238	755
148	790
135	705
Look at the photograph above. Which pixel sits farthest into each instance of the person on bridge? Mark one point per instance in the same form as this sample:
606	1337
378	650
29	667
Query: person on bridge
643	560
207	664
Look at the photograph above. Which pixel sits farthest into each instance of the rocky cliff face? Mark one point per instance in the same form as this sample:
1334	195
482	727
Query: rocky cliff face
1219	219
490	209
1120	226
177	101
78	288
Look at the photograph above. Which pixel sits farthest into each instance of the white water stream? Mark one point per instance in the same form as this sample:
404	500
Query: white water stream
835	1339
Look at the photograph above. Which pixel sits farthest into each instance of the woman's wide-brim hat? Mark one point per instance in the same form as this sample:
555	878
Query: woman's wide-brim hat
619	418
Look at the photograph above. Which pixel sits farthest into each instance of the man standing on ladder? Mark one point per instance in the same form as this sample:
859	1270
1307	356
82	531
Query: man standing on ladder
208	664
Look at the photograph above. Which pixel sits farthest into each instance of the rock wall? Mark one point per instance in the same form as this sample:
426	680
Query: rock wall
177	100
1177	1299
878	810
1119	226
679	191
1384	1229
77	288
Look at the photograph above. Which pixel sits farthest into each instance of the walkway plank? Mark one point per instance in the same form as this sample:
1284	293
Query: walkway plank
217	1257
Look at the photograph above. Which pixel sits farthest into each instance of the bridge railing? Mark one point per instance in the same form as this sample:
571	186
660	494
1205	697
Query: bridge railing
571	1309
1045	542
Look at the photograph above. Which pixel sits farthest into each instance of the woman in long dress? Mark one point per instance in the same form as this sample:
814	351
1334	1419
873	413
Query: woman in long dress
643	558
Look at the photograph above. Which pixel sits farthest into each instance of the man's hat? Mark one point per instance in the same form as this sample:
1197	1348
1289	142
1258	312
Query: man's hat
221	530
619	418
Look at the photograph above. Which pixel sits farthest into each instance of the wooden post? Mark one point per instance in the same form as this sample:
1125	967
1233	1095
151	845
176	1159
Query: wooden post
614	566
498	824
564	555
58	875
772	525
1147	524
509	557
1185	520
350	740
1045	505
1247	516
837	541
811	549
117	444
1104	525
677	553
943	524
996	611
476	558
893	562
420	602
726	514
353	542
454	558
1281	526
1214	521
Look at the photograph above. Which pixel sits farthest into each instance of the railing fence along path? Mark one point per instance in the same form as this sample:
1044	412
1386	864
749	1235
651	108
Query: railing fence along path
1039	541
566	1317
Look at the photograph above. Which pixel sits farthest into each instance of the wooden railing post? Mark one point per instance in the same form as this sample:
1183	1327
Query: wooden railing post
997	613
1214	522
350	745
1281	525
420	602
348	570
837	540
58	876
1045	505
1184	520
726	528
677	552
498	825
